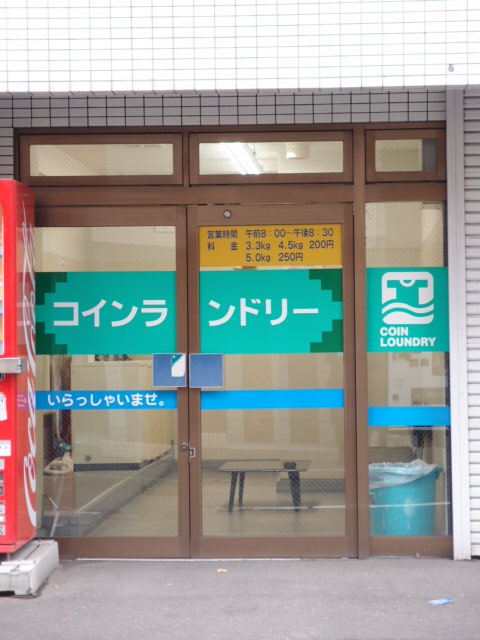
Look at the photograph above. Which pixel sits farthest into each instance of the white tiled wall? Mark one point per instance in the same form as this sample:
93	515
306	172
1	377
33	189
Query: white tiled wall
219	45
211	109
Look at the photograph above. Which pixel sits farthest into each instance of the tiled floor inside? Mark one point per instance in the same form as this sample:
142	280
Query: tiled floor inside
113	503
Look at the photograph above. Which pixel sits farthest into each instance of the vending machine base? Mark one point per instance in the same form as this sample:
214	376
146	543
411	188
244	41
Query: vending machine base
25	571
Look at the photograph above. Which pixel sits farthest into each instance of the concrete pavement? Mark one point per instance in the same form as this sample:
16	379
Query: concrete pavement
374	599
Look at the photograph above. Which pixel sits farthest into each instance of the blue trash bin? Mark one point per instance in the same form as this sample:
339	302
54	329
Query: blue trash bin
402	498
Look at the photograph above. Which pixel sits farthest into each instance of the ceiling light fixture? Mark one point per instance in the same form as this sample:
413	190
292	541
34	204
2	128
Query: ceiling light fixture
242	158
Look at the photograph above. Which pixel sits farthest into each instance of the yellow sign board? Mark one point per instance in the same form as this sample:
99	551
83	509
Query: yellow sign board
264	246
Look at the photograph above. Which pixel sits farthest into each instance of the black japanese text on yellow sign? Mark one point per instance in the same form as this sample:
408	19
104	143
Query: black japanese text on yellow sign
308	246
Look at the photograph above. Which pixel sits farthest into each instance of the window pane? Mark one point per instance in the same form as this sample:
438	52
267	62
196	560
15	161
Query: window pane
105	249
289	455
101	160
403	234
408	369
406	155
258	158
96	405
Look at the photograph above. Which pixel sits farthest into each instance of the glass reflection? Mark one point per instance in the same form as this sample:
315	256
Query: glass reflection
257	158
109	472
292	461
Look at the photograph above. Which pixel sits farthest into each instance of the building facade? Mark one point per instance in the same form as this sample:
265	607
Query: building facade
257	256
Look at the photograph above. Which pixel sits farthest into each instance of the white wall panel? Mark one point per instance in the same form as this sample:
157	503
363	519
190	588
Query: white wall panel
472	244
224	45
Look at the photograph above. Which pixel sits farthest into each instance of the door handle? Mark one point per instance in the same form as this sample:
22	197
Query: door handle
185	446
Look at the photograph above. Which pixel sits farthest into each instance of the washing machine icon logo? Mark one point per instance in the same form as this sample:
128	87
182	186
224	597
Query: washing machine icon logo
407	297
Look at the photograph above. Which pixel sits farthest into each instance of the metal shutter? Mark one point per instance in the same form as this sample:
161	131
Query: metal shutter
472	248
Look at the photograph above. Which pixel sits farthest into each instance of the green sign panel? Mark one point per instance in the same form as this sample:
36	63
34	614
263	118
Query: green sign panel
106	313
271	311
407	310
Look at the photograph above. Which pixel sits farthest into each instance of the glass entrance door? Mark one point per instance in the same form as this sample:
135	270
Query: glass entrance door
247	446
112	478
272	381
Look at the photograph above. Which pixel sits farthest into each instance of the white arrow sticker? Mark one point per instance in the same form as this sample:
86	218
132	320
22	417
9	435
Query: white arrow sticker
178	365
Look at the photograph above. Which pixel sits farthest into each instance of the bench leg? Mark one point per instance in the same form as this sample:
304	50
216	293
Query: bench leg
294	477
240	488
233	486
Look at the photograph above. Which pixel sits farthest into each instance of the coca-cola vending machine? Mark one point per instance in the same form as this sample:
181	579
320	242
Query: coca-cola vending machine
17	367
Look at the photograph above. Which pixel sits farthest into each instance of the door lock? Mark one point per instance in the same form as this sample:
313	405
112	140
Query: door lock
185	446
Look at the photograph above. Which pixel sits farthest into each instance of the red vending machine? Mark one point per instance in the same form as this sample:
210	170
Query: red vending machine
17	367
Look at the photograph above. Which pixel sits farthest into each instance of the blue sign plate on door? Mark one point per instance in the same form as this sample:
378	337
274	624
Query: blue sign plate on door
206	371
169	370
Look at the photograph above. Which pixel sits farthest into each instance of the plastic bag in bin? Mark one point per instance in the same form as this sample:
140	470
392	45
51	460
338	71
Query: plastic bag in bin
391	474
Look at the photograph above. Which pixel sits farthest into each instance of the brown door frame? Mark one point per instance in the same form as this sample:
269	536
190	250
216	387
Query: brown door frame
270	546
61	206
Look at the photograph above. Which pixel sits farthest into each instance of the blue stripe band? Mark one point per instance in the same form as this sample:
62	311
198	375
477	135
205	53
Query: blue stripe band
211	400
409	417
105	400
240	400
278	399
